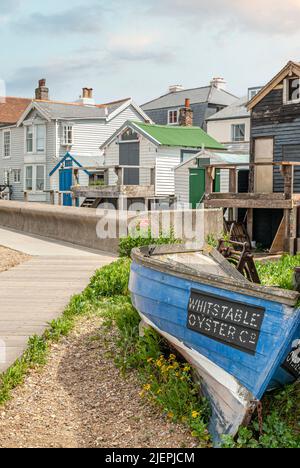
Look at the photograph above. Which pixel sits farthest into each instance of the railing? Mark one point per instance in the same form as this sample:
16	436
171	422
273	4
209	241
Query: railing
287	170
119	171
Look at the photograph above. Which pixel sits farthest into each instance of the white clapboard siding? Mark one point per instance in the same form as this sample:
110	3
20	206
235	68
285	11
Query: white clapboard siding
89	135
166	161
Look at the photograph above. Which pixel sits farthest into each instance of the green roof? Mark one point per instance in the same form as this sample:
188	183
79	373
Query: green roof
189	137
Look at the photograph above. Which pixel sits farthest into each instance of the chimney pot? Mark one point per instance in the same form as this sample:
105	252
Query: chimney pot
85	93
187	103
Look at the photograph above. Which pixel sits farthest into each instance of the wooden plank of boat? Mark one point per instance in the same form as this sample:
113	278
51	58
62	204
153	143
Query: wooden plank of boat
158	259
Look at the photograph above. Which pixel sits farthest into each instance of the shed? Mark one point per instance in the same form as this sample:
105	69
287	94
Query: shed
190	175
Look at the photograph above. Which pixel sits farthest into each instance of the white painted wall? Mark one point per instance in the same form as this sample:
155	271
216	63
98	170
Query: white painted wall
221	130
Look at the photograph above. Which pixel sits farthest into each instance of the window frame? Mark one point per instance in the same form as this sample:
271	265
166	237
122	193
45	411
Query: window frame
36	127
14	172
233	135
65	131
170	111
34	178
6	132
286	91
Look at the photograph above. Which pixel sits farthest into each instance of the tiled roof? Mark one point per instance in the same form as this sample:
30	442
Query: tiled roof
236	110
209	94
11	109
64	110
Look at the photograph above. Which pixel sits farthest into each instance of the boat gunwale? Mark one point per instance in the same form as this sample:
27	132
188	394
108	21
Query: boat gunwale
237	282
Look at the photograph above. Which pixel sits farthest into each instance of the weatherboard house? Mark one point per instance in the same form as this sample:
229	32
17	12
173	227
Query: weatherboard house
139	162
36	134
273	200
205	101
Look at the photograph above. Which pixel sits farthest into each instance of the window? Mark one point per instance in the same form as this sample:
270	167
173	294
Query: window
186	155
238	132
16	176
29	139
6	144
253	92
6	176
173	117
292	90
40	178
29	178
40	138
35	178
68	135
129	135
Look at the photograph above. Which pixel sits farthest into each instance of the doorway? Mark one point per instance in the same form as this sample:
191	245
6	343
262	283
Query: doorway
197	182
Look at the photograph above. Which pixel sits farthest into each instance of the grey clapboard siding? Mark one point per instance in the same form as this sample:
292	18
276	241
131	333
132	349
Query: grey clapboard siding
201	113
272	118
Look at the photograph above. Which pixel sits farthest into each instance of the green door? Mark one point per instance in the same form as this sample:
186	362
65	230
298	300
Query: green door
197	185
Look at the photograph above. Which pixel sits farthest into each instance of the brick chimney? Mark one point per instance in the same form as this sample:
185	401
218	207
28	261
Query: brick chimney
42	92
186	115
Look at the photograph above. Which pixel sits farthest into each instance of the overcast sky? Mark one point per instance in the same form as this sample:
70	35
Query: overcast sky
138	48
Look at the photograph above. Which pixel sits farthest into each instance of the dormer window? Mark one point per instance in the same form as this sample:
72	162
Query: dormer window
292	91
173	117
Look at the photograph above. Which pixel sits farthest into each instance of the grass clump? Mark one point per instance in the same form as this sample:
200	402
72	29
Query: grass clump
279	273
143	238
281	426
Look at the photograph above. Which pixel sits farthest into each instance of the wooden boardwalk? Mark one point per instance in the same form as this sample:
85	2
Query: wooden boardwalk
37	291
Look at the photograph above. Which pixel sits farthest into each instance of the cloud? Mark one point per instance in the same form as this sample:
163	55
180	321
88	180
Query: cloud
138	48
85	19
263	16
7	7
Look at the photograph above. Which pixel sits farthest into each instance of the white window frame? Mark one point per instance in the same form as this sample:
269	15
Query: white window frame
34	126
37	151
233	127
6	176
15	172
34	178
170	111
286	99
8	132
65	134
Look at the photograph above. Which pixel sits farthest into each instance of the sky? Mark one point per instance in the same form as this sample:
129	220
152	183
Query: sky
138	48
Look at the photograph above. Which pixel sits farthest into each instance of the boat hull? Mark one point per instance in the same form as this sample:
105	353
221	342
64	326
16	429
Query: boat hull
233	378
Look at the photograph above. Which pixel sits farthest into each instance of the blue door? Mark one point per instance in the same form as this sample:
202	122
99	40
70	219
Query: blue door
66	182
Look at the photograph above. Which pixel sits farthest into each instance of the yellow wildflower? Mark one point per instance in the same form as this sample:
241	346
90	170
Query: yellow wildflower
147	387
172	357
186	369
158	391
159	363
171	415
195	414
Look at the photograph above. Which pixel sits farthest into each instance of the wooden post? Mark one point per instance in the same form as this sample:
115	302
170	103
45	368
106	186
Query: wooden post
106	176
250	217
288	174
209	181
25	196
232	180
59	199
290	236
52	197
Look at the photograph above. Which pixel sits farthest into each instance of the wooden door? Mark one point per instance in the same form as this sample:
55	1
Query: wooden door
263	153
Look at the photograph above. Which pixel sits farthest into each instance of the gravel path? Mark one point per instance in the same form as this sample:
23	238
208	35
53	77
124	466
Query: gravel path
11	258
80	400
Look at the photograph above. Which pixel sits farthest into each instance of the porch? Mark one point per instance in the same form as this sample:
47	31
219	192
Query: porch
273	217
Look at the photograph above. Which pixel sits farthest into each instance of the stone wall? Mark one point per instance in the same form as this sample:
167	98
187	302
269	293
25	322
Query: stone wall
80	225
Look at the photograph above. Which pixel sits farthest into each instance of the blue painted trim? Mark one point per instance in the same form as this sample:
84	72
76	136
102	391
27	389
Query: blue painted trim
58	165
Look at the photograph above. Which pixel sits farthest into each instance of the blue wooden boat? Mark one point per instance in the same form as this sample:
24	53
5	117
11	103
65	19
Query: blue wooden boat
241	338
